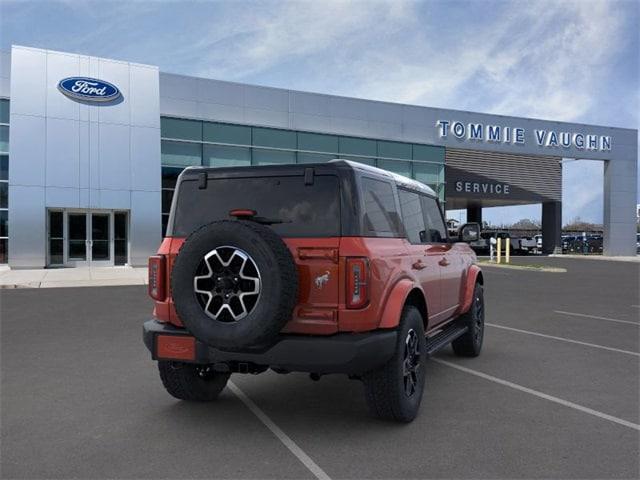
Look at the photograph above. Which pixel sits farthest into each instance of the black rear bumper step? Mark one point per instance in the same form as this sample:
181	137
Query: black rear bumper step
444	338
350	353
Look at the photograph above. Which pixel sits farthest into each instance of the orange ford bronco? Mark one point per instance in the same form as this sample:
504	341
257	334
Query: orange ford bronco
323	268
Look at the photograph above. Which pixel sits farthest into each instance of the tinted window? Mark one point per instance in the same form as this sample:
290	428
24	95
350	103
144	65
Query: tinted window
380	215
305	210
412	216
436	230
4	167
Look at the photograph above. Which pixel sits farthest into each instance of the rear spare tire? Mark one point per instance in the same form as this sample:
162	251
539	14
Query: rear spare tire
234	284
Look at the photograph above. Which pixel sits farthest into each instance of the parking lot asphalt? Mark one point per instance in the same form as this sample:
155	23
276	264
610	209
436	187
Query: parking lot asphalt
80	397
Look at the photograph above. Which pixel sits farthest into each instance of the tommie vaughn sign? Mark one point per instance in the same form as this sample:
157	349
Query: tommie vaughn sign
88	89
478	132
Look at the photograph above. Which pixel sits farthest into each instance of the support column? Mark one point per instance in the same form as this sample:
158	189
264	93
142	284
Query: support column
474	214
620	198
551	227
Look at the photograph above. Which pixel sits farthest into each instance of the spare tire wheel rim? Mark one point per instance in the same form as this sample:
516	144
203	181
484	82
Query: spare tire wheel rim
227	284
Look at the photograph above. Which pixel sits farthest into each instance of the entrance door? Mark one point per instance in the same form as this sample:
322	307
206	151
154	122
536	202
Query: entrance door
77	240
100	242
87	238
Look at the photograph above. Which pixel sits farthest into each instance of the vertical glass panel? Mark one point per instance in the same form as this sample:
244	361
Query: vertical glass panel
99	227
100	250
178	128
4	111
314	157
317	143
396	166
428	172
55	225
183	154
225	133
4	194
394	150
4	167
358	146
170	176
56	247
271	137
4	223
428	153
4	139
120	226
167	195
77	236
4	250
222	156
120	238
100	237
271	157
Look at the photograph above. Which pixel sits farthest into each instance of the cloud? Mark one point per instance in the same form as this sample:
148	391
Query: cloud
570	60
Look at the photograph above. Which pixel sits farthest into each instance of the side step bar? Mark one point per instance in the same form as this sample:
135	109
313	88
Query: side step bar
444	338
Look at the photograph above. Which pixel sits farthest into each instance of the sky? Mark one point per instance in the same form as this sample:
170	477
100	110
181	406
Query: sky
558	60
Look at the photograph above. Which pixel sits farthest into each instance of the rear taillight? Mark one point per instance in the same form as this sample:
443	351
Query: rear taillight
357	282
157	277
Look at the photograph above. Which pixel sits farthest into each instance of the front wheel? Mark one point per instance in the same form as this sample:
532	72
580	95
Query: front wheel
470	344
186	381
394	391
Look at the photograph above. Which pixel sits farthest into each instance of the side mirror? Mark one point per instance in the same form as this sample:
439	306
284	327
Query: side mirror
469	232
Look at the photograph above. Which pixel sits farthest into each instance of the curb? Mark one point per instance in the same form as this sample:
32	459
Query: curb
523	267
73	284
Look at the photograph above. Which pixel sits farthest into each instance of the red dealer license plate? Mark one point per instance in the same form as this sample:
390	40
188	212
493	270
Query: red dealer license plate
175	347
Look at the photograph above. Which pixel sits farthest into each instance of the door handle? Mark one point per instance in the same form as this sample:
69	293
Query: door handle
418	265
444	262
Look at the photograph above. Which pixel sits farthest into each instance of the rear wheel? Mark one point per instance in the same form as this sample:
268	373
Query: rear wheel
470	344
394	392
186	381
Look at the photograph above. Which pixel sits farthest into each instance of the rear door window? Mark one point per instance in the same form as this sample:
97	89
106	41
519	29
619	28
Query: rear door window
436	231
301	210
380	214
412	216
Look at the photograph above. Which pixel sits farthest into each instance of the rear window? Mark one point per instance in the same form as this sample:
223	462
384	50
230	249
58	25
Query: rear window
304	210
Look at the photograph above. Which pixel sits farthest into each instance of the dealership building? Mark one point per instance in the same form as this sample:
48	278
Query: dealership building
90	149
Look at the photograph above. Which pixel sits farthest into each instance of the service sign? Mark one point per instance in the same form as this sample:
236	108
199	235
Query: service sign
88	89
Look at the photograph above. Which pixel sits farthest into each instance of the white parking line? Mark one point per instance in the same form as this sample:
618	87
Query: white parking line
277	431
608	319
538	394
602	347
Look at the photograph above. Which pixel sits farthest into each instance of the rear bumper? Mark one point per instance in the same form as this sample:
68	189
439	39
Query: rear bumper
350	353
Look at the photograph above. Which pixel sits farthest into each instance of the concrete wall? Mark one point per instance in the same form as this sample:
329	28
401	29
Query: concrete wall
620	199
70	154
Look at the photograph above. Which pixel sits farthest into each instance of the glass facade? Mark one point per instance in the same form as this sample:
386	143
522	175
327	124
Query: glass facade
4	180
193	142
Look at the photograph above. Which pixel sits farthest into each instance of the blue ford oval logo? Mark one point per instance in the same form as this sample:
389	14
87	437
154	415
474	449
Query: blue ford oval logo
89	89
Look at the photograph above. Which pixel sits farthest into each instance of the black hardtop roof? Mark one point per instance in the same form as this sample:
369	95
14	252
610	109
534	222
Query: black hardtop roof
322	168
